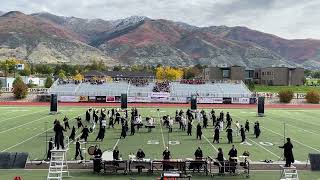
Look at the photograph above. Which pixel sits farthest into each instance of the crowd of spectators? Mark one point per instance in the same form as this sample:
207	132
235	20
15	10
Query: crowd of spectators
68	81
192	81
162	86
139	82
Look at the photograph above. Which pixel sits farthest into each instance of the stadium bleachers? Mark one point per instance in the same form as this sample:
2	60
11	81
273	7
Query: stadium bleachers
177	89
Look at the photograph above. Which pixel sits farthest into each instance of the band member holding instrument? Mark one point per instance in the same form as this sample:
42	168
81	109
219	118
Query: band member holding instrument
246	126
166	154
88	115
216	137
79	123
243	134
199	131
73	133
85	133
140	154
78	150
66	122
233	155
116	154
189	131
229	135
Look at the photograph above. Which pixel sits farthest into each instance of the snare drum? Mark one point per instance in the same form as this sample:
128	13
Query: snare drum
91	150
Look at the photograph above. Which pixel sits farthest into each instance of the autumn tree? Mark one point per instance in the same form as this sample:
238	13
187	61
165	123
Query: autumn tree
49	82
20	89
62	75
168	73
78	77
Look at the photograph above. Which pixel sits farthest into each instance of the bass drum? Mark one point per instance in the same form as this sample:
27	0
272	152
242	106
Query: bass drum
107	156
91	150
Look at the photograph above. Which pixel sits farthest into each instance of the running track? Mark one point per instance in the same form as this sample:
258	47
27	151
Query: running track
239	106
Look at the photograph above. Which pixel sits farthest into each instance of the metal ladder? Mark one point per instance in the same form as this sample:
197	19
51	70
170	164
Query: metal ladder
289	173
58	165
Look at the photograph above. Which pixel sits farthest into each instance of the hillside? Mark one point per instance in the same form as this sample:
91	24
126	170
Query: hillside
44	37
36	41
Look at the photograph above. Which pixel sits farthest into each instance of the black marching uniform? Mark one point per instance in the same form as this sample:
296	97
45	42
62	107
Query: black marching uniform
287	152
229	135
50	147
66	122
79	123
58	141
73	133
199	131
189	131
85	134
243	134
216	137
78	151
88	116
132	129
247	126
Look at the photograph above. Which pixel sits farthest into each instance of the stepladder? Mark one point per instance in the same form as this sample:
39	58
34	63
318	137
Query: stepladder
289	173
58	166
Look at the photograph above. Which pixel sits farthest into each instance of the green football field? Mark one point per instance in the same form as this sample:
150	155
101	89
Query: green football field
24	129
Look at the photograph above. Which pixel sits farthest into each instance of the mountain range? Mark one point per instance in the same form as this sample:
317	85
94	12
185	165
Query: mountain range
48	38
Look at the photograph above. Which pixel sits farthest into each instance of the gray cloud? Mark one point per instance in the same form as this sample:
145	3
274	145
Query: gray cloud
285	18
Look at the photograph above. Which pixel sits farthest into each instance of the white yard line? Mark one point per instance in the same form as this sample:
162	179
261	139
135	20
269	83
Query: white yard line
264	148
20	116
303	121
207	140
22	142
32	137
115	145
22	125
163	141
291	138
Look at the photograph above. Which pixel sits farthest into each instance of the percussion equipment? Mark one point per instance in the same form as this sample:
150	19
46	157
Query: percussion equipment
150	126
91	150
107	156
234	158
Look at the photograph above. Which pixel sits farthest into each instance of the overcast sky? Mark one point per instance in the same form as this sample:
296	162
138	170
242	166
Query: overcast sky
293	19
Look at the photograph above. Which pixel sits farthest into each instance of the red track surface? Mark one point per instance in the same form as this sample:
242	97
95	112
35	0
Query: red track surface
245	106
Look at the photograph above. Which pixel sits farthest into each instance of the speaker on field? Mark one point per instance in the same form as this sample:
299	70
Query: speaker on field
193	102
124	101
260	106
314	162
54	103
13	160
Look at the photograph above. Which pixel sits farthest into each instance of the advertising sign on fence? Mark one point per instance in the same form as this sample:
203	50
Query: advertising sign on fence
217	100
205	100
236	100
139	99
101	99
110	99
68	98
83	99
159	94
178	99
